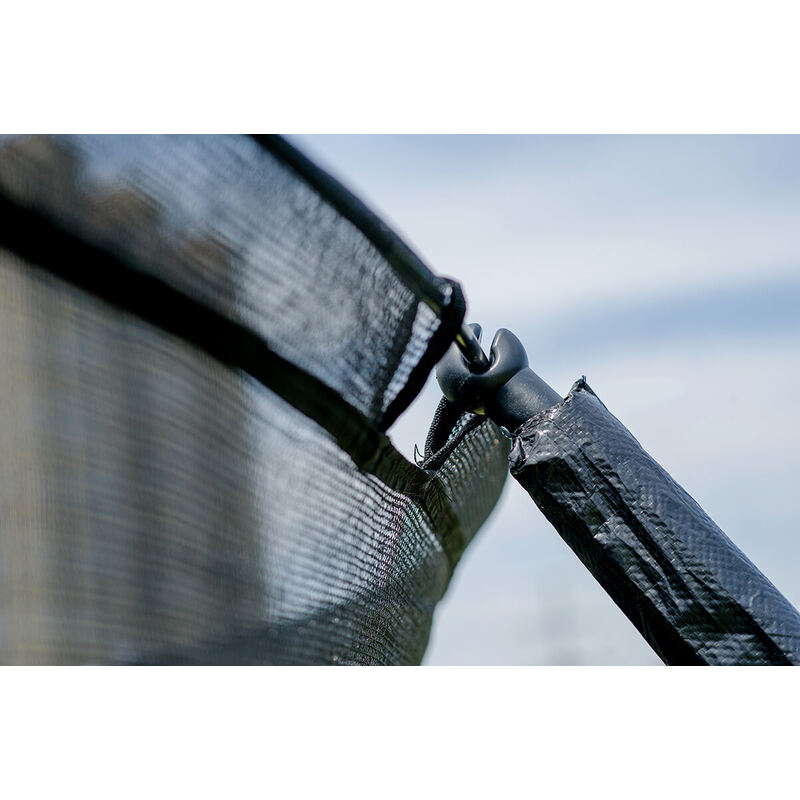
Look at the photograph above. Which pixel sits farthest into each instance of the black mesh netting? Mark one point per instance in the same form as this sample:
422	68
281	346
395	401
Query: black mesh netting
203	340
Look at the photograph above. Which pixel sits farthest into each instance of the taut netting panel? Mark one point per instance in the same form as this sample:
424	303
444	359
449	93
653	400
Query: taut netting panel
203	340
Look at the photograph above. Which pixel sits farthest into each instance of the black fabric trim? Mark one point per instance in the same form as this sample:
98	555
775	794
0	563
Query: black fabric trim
445	419
471	422
449	426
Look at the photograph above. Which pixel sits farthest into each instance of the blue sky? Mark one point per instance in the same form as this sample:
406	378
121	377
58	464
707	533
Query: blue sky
665	269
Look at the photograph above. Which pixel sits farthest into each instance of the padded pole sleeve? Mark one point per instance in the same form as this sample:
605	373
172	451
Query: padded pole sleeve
693	595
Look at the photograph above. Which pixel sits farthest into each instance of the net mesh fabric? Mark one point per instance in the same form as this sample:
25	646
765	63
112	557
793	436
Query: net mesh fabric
161	505
227	222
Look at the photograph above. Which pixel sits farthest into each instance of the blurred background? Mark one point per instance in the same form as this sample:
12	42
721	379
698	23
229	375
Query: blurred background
666	270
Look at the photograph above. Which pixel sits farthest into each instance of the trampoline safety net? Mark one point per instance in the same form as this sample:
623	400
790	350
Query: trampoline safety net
204	341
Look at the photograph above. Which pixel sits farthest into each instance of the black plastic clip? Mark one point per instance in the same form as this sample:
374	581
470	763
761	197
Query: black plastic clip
501	386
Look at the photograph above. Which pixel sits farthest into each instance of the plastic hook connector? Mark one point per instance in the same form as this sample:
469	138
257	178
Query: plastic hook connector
506	390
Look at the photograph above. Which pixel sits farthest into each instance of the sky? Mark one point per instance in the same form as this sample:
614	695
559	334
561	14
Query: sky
666	270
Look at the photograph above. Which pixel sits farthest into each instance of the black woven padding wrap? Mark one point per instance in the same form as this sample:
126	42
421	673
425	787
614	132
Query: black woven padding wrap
693	595
202	340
